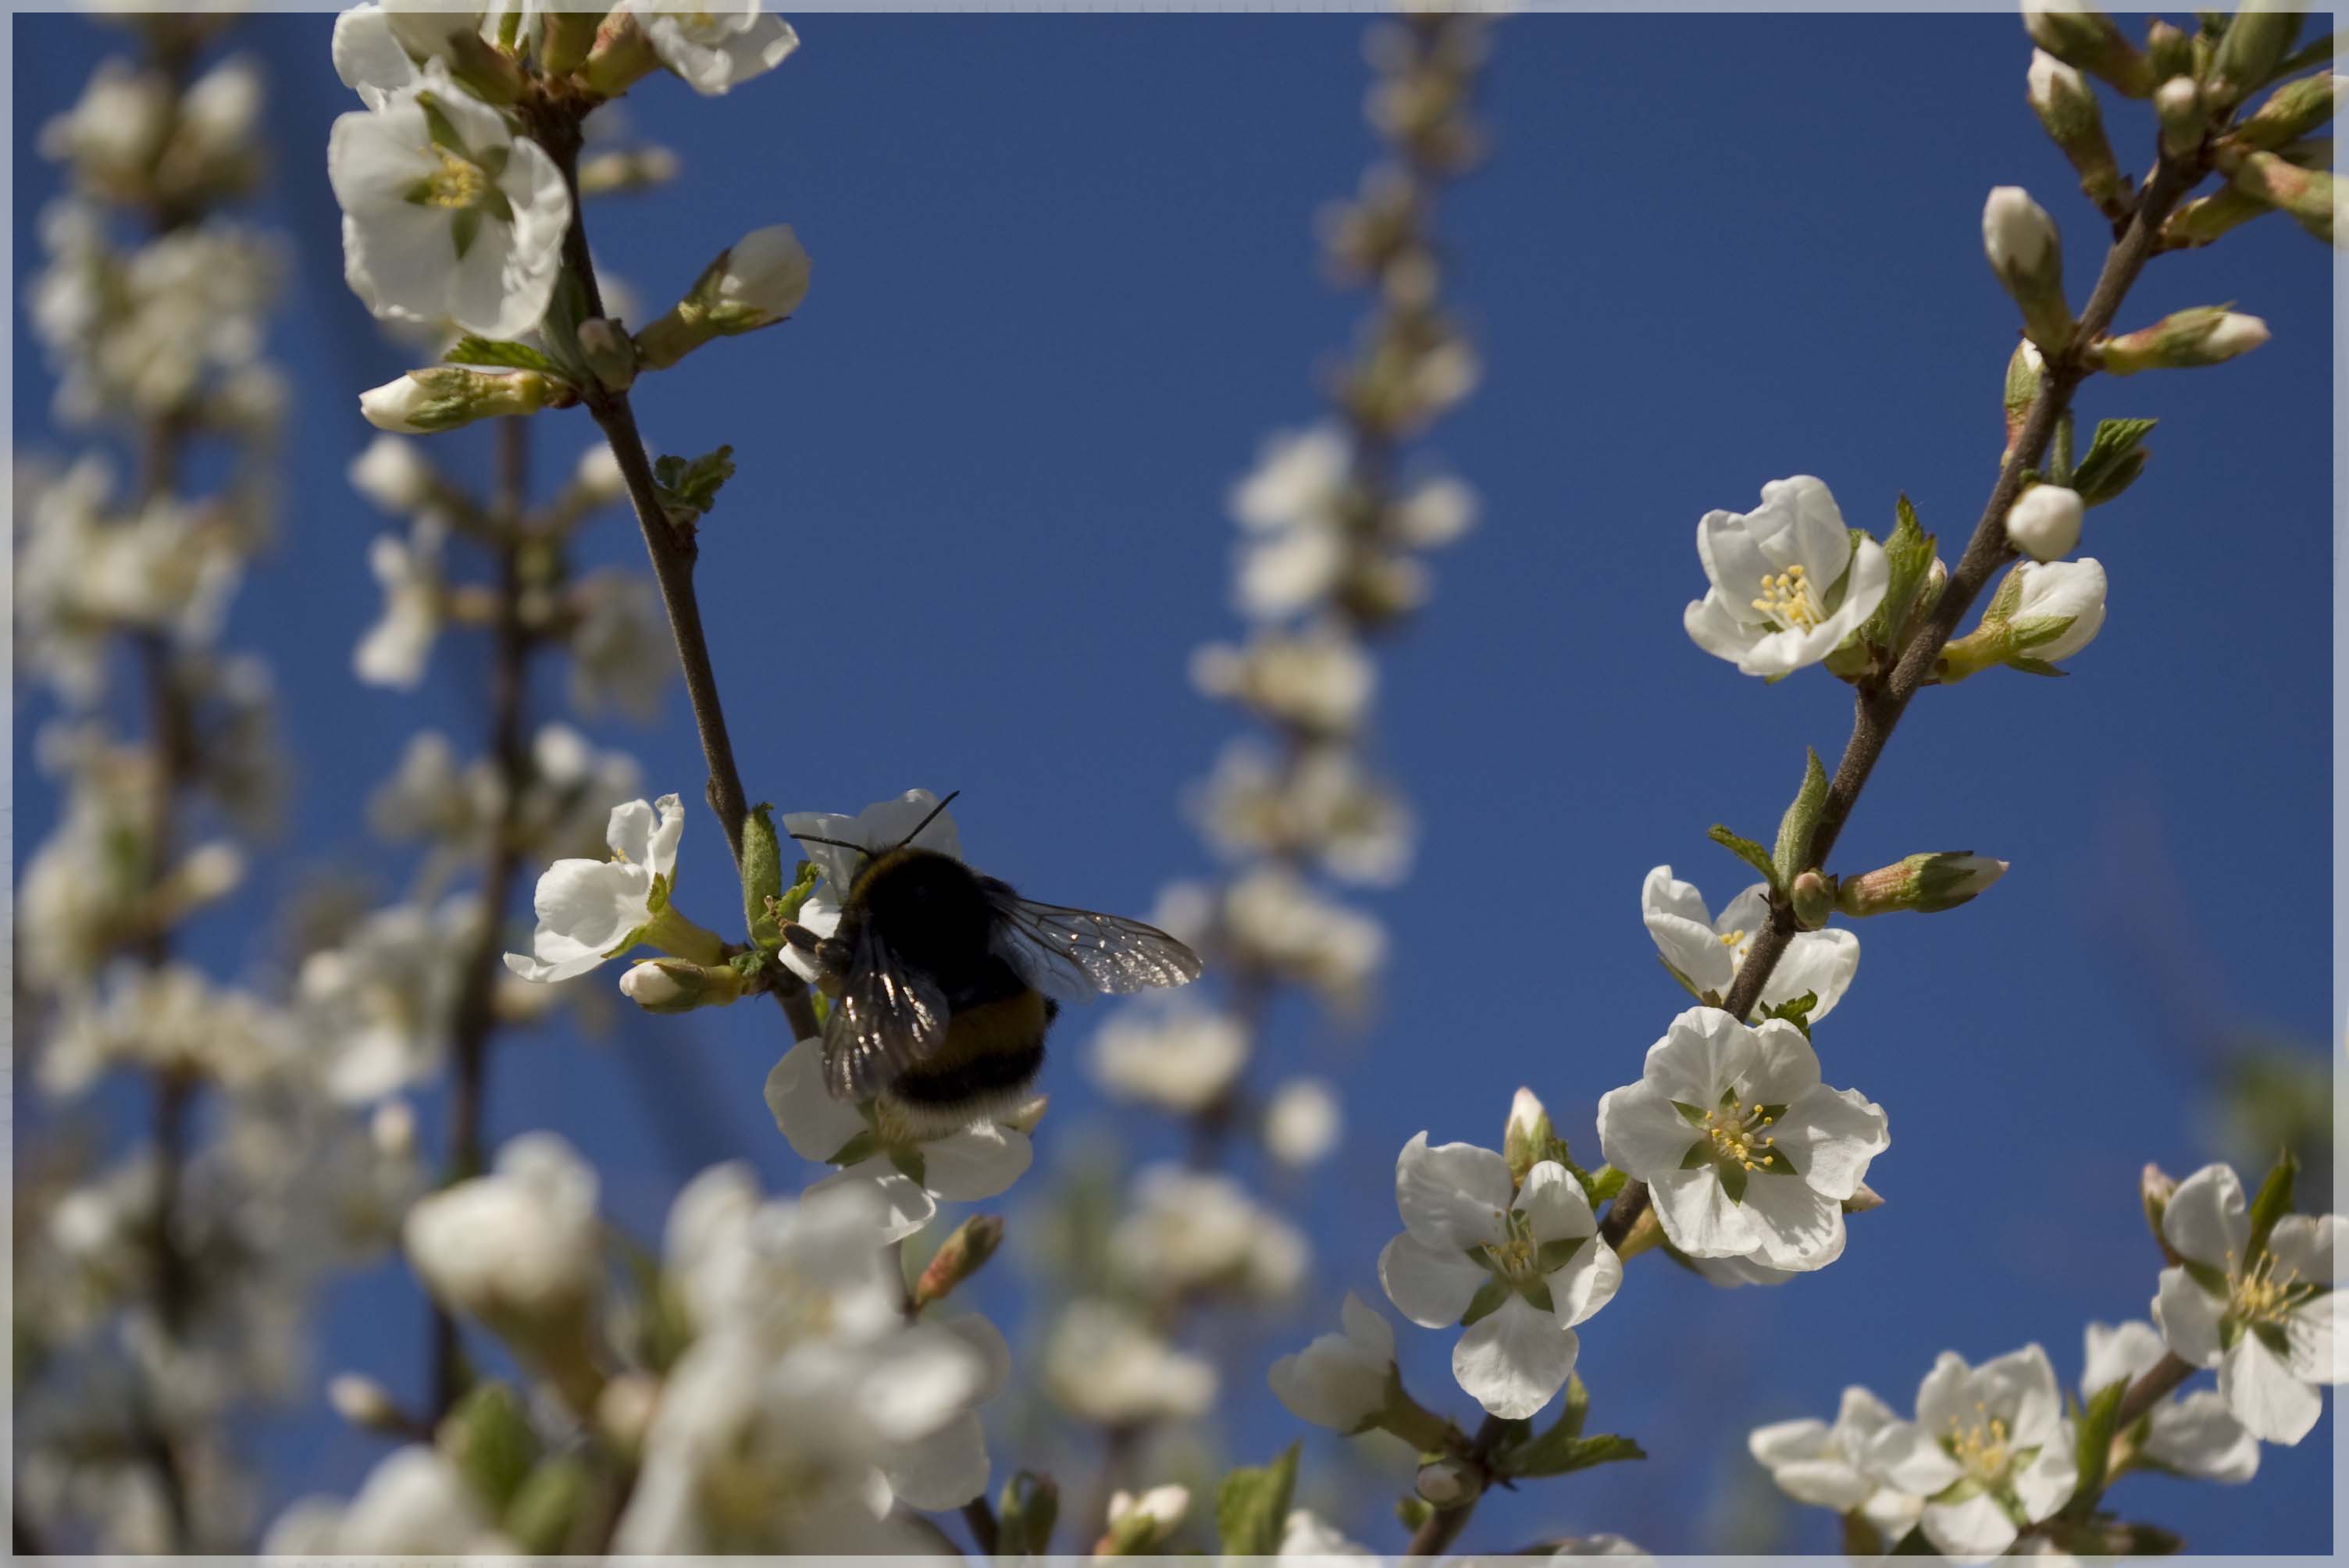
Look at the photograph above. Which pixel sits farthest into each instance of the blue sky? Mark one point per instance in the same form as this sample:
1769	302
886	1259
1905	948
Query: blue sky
1065	284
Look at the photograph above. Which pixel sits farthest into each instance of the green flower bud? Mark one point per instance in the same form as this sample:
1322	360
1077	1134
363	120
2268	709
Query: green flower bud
2177	104
1927	884
763	877
1812	896
2292	111
1529	1138
2024	251
2204	219
2207	335
565	39
488	1439
2155	1188
677	985
443	397
2066	107
2079	37
2305	193
2255	42
757	282
1448	1483
961	1255
2026	367
2168	52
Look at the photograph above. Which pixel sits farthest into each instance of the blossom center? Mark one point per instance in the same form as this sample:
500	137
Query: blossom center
1516	1259
1739	1137
458	185
1982	1448
2266	1294
1787	600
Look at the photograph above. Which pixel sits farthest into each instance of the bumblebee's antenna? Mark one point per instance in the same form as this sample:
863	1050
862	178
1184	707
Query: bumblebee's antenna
928	820
835	843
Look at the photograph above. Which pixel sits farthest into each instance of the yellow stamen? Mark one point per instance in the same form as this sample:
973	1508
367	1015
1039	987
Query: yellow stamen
1787	600
457	184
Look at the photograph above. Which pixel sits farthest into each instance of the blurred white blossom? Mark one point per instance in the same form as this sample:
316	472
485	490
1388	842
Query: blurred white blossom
1103	1364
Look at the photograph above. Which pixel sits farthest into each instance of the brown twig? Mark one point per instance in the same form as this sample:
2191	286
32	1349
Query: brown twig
673	549
1878	708
473	1019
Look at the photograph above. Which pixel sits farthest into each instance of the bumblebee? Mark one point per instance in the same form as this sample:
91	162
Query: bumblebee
943	982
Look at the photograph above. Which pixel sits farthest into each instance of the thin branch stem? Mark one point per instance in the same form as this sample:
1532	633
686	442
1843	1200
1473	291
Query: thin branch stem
474	1018
674	551
1878	708
982	1520
2153	1386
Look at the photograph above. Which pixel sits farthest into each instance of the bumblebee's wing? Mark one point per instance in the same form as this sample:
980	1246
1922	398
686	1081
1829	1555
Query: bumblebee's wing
886	1018
1079	950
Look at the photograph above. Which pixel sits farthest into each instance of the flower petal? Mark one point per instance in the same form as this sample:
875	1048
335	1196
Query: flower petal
1641	1133
2207	1218
945	1469
1701	1056
1587	1283
979	1162
2047	1483
815	1125
2117	1355
905	1207
2273	1405
1820	961
2189	1318
2310	1246
1555	1206
1973	1530
1367	1328
1698	1216
1795	1226
1907	1456
1453	1195
2199	1437
1832	1134
1429	1285
1516	1360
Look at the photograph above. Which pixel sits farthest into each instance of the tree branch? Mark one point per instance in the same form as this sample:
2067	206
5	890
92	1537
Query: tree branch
1878	710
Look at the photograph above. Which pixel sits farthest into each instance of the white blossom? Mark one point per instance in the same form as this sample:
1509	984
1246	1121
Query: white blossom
414	1504
1744	1151
1104	1365
521	1244
1305	1534
395	650
377	1007
909	1169
1989	1450
395	474
1832	1467
1302	1122
1192	1232
1706	952
446	211
622	654
717	47
1317	679
2193	1434
1174	1055
1787	585
2266	1320
1517	1266
589	910
1341	1380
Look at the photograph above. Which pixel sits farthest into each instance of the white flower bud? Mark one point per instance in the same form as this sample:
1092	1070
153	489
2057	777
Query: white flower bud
765	275
1302	1122
598	476
2024	251
443	397
393	473
678	985
2207	335
365	1404
392	1129
1446	1484
624	1411
2045	523
2177	104
1137	1524
2069	591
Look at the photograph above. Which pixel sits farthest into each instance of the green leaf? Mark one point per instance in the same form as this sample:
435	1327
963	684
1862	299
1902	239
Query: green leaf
1603	1183
543	1511
1747	849
1252	1506
2094	1444
1793	856
472	350
1908	555
689	487
1578	1405
2273	1203
488	1439
1024	1516
1559	1452
1795	1010
2115	459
